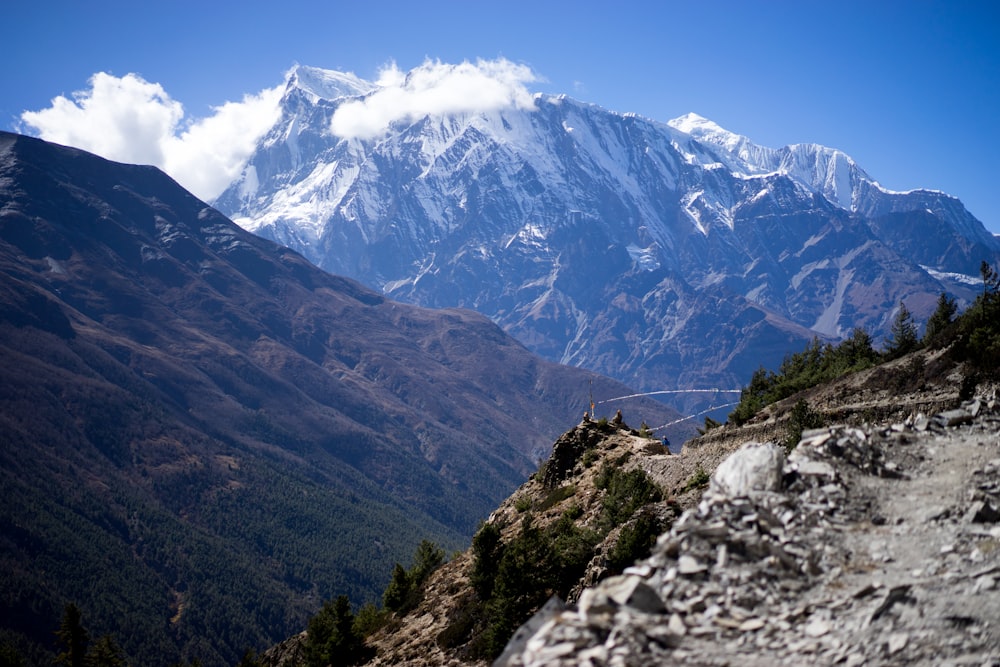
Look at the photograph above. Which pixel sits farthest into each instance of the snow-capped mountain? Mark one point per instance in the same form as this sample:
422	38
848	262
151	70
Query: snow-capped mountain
669	255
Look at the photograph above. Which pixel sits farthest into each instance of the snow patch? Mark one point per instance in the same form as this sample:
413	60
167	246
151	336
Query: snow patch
55	266
754	294
953	277
646	258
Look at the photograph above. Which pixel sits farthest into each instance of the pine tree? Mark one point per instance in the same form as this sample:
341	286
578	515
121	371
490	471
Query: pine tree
398	591
991	279
427	558
331	636
73	638
903	334
105	653
942	316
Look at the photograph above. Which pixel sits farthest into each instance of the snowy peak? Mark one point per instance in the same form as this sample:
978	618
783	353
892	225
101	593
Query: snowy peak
703	129
327	84
533	213
825	171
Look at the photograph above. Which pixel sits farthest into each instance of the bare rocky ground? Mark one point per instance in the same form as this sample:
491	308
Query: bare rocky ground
868	545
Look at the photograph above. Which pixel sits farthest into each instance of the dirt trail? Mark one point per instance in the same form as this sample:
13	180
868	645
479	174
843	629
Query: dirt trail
921	579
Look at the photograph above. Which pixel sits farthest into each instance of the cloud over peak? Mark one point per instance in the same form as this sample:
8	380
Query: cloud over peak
434	88
129	119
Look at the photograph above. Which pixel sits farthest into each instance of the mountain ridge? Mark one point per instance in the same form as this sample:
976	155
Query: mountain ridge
568	222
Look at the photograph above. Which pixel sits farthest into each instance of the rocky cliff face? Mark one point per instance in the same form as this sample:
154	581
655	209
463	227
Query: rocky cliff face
669	255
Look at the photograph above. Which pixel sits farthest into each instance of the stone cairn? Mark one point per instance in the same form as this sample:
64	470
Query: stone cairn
726	584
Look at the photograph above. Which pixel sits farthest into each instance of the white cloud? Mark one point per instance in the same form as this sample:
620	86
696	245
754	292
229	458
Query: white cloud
431	89
132	120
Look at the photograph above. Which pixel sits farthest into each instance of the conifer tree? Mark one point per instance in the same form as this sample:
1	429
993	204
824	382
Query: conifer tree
991	279
903	334
427	558
331	636
398	591
72	637
105	653
942	316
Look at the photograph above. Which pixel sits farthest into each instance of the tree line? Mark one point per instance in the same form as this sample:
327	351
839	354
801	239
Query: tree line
972	336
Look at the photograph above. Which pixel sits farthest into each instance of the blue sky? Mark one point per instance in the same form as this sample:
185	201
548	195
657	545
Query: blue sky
910	89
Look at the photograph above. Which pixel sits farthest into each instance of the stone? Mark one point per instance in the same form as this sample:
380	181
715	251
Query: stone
983	511
754	467
810	468
815	436
951	418
594	601
897	642
640	570
817	628
631	591
805	573
689	565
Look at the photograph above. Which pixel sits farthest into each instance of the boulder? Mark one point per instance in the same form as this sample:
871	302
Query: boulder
754	467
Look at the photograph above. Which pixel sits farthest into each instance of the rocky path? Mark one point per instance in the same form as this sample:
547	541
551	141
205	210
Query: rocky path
925	554
876	546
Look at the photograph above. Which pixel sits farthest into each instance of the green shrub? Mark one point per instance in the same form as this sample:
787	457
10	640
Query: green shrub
556	496
534	566
635	541
803	417
709	425
816	364
487	549
626	492
369	619
698	480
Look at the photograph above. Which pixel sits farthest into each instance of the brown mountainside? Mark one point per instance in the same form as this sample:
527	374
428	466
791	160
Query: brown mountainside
203	435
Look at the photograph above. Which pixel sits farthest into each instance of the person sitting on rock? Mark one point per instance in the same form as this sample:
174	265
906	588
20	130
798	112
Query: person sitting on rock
617	421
